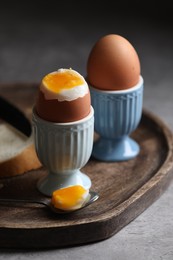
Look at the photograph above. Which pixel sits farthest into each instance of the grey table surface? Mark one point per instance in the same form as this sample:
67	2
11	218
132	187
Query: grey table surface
37	38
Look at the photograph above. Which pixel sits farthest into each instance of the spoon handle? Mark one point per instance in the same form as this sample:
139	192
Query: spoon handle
93	196
28	201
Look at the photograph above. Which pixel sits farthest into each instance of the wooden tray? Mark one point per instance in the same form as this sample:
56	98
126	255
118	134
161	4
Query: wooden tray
126	189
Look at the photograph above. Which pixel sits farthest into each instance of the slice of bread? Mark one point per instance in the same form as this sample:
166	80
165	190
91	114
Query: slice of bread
17	152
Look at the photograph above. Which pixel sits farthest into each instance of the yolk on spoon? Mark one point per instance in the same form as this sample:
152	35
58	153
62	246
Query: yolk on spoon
68	198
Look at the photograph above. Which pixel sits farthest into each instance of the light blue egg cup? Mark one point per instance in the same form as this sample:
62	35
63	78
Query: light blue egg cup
63	148
117	115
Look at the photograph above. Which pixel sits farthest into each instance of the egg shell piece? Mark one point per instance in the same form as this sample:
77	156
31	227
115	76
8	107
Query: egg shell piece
63	111
113	64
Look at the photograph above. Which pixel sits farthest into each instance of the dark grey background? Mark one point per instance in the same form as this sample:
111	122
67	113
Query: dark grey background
37	38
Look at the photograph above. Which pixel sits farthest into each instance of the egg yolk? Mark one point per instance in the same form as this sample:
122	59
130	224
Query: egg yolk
68	198
59	81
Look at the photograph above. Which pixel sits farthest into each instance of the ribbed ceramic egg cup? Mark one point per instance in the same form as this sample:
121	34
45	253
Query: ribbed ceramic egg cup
117	115
63	148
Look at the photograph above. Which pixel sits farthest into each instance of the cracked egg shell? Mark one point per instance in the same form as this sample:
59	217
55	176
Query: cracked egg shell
113	64
63	97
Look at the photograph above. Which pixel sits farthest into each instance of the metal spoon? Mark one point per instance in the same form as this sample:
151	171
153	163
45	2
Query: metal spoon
93	196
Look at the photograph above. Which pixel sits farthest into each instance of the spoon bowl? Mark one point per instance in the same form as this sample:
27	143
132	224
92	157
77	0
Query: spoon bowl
92	197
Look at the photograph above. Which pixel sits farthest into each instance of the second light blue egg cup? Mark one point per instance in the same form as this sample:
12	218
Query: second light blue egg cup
117	115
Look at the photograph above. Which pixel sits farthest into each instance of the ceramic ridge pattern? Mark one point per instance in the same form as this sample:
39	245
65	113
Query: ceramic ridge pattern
64	149
127	105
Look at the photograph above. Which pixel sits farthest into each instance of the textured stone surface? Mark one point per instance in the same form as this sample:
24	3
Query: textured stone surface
32	43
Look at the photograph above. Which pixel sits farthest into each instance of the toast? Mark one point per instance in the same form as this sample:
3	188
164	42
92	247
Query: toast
17	152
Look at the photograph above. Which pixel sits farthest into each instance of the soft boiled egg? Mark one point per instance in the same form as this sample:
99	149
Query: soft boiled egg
69	198
63	97
113	64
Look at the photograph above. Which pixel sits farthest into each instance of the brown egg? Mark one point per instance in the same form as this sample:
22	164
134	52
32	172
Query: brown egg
63	97
113	64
